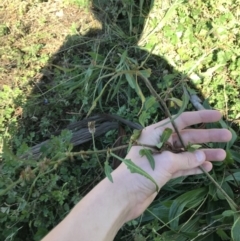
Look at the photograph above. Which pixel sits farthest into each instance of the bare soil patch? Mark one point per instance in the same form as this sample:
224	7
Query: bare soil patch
31	31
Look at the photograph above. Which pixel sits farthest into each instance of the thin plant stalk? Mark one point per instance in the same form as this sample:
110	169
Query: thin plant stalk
94	148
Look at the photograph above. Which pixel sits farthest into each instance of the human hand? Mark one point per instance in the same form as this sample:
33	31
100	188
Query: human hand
168	165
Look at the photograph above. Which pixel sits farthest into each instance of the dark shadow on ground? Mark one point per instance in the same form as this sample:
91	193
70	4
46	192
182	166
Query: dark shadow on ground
64	92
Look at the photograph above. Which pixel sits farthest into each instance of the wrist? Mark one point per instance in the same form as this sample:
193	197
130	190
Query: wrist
121	192
132	191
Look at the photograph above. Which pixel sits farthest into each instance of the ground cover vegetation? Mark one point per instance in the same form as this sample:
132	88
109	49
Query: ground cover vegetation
63	61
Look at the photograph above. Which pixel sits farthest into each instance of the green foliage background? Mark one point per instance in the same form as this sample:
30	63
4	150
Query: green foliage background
170	43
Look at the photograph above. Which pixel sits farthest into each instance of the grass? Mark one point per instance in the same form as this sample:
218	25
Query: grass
60	66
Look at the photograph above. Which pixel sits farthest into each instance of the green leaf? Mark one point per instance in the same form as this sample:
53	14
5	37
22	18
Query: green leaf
116	88
146	72
192	148
136	169
148	153
235	230
123	58
234	138
231	178
228	159
211	71
166	135
222	234
66	70
228	213
235	155
41	232
108	170
190	226
189	199
141	96
159	145
178	102
136	134
96	56
143	118
95	101
225	186
185	100
222	122
151	101
131	80
134	84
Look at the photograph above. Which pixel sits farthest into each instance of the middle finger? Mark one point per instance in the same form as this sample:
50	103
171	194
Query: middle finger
201	136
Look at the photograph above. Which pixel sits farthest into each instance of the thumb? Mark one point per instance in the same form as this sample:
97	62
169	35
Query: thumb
189	160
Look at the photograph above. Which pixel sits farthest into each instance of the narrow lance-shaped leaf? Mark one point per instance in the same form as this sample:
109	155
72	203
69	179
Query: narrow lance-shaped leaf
96	56
191	148
176	101
235	230
108	170
116	87
131	80
232	177
122	60
164	137
94	104
136	169
234	138
140	94
63	69
235	155
222	234
189	199
148	153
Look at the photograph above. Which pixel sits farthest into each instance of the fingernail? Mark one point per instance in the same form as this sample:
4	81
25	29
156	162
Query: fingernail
200	156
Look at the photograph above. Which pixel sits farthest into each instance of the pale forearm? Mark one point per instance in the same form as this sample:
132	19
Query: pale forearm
98	216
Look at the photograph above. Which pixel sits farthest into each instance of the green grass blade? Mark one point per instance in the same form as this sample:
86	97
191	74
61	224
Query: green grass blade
189	199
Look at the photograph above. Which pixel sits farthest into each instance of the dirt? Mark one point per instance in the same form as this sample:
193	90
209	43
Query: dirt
30	24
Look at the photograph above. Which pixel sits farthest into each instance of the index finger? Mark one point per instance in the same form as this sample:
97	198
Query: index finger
191	118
